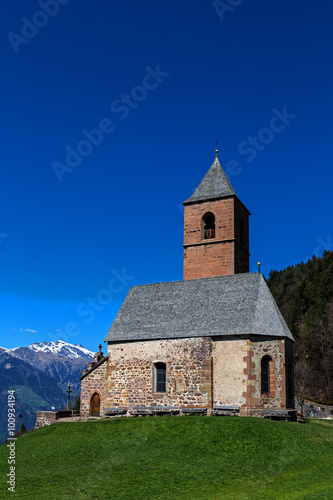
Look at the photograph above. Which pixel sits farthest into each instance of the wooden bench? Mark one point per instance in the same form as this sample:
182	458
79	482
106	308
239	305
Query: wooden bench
225	410
165	409
276	414
115	411
194	410
153	410
140	410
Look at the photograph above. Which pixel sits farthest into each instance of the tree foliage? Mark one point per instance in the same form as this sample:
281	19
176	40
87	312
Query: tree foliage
304	294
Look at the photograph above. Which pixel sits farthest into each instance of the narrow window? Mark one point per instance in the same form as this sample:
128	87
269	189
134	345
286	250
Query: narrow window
160	377
95	403
208	224
265	365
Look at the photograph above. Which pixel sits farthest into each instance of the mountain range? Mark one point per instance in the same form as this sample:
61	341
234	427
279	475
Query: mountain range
39	374
58	347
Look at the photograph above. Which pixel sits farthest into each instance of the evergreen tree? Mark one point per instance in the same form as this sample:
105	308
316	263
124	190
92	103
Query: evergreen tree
304	294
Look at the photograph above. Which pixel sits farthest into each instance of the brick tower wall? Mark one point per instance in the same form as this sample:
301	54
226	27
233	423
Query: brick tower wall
224	254
242	245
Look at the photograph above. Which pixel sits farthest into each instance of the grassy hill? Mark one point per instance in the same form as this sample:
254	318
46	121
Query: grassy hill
164	458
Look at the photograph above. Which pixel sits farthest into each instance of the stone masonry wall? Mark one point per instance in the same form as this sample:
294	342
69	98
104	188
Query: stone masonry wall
255	351
130	373
93	382
290	396
45	418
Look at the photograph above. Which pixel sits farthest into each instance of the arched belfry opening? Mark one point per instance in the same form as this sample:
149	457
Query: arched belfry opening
208	226
95	404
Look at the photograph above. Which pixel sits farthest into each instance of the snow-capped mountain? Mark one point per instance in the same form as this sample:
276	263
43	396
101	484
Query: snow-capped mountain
40	374
59	347
64	368
59	359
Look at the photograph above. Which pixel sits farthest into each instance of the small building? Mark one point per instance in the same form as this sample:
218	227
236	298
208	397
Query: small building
214	342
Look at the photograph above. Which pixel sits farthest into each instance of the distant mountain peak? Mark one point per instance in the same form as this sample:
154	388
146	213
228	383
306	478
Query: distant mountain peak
60	347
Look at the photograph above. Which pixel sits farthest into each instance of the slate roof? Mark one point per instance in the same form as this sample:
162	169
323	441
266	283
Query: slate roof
239	304
214	185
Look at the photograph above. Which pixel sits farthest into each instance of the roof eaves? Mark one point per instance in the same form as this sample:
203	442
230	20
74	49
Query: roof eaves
190	201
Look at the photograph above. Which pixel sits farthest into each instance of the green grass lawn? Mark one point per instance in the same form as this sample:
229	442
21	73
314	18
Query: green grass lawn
174	458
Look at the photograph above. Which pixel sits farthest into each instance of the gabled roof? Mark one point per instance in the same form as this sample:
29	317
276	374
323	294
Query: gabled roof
239	304
214	185
96	365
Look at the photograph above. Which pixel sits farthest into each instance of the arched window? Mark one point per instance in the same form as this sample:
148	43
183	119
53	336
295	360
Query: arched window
95	404
242	232
208	225
265	382
160	377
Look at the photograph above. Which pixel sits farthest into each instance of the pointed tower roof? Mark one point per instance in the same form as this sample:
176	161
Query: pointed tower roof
214	185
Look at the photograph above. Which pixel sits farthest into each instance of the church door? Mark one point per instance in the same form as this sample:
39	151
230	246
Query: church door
95	405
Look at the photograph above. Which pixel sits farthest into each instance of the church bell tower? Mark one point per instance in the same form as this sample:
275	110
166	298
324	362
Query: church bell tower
216	228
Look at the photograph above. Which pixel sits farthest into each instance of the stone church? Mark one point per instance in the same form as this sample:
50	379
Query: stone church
215	342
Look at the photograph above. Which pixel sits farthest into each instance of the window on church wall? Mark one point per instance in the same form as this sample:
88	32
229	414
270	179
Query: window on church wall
265	382
159	377
208	226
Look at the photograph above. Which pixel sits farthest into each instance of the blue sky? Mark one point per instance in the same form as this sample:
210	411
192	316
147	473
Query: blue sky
109	116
